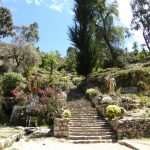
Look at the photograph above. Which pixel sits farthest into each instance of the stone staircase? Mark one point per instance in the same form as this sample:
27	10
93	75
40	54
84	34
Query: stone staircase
86	126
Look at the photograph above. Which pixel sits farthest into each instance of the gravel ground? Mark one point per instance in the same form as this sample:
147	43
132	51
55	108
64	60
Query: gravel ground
61	144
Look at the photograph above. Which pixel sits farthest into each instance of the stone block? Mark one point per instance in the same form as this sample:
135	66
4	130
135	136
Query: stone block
65	124
14	137
2	143
56	128
62	128
8	142
66	133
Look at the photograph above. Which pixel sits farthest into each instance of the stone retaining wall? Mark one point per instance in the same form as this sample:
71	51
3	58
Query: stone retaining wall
128	127
61	127
131	128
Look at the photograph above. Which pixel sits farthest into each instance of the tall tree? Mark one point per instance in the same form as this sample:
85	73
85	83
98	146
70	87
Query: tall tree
141	18
50	61
27	33
83	37
135	48
6	22
110	35
71	59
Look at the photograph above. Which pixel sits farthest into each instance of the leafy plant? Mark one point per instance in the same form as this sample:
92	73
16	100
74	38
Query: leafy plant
67	113
77	80
113	111
10	81
144	100
92	92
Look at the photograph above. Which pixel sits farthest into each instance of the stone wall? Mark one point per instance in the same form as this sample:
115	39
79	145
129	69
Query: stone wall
18	116
127	127
61	127
131	128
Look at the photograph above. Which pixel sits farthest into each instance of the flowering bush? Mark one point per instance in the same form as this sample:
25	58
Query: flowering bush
92	92
10	81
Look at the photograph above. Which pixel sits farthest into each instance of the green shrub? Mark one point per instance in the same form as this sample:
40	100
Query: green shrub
92	92
77	80
144	101
67	113
51	81
113	111
142	86
64	79
10	81
31	70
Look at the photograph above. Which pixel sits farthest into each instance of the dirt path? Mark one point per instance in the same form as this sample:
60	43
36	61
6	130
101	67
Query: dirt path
61	144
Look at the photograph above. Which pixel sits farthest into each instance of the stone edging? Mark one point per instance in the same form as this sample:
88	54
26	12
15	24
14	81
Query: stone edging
61	127
128	145
4	143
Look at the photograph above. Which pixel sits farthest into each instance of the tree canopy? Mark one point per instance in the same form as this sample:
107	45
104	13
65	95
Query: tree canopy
6	22
82	35
141	18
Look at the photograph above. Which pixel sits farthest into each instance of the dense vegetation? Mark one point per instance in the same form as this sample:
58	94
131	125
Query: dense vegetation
40	81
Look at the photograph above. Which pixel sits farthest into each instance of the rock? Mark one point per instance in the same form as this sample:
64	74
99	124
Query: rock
30	130
18	116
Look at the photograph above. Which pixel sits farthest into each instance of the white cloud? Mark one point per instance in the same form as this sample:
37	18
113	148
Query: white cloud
58	5
37	2
29	1
125	15
55	5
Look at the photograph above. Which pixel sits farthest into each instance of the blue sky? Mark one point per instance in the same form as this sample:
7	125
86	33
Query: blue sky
54	17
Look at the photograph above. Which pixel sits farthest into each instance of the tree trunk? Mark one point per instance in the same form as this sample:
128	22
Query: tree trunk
146	41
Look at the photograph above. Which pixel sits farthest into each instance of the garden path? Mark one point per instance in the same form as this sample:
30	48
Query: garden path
62	144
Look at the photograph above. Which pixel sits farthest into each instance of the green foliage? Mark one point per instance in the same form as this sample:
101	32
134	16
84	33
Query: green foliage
49	61
77	80
10	81
31	70
135	48
109	35
71	60
92	92
51	81
67	113
6	22
28	33
113	111
144	101
82	35
142	86
140	20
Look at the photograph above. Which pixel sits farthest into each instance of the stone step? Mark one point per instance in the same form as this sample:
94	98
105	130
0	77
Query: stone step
83	113
79	108
105	137
87	124
86	121
88	133
84	118
92	141
93	130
